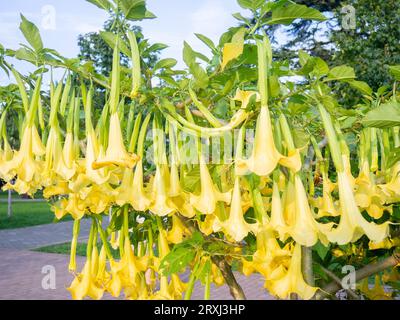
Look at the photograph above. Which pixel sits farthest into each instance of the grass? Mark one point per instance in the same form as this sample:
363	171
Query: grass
65	248
26	214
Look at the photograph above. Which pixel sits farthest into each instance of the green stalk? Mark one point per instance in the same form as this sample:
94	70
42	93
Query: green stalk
332	138
22	90
115	79
135	133
65	96
136	74
207	114
207	289
89	248
129	127
192	281
74	242
103	238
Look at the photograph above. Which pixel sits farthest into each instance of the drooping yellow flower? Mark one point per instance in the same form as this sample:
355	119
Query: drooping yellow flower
178	231
209	195
377	292
292	281
140	199
236	226
245	96
162	204
352	224
99	176
385	244
116	153
277	221
325	205
265	157
305	230
85	283
67	167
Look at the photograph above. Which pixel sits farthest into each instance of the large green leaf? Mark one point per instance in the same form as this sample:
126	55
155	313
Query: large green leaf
395	72
341	73
293	11
251	4
361	86
384	116
207	41
165	64
111	39
31	34
102	4
135	10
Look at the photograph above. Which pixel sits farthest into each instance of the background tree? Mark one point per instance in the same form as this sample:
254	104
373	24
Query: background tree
369	48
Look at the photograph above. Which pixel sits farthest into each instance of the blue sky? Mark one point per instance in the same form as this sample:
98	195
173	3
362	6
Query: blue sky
177	20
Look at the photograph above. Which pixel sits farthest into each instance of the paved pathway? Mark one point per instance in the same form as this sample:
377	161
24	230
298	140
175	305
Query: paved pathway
22	271
42	235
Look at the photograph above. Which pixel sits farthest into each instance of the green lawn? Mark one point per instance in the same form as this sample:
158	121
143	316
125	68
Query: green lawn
25	214
65	248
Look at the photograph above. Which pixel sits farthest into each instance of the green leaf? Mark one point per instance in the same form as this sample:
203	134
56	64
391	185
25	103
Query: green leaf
321	250
165	64
135	10
395	72
182	255
156	47
189	56
207	41
31	34
361	86
102	4
386	115
111	39
293	11
25	54
200	75
303	57
393	158
251	4
341	73
238	16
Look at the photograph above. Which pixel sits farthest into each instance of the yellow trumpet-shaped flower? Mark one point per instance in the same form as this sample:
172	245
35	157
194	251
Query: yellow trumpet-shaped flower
24	163
162	204
92	150
75	206
304	230
293	281
265	157
178	231
277	221
116	153
67	167
209	195
124	194
245	96
140	200
352	224
377	292
325	205
269	258
367	195
385	244
236	226
85	284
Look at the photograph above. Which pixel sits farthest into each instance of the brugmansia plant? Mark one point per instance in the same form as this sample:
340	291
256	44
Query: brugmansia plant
231	164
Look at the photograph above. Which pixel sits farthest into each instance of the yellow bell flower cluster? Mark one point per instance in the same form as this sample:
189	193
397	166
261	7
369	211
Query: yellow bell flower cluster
108	172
